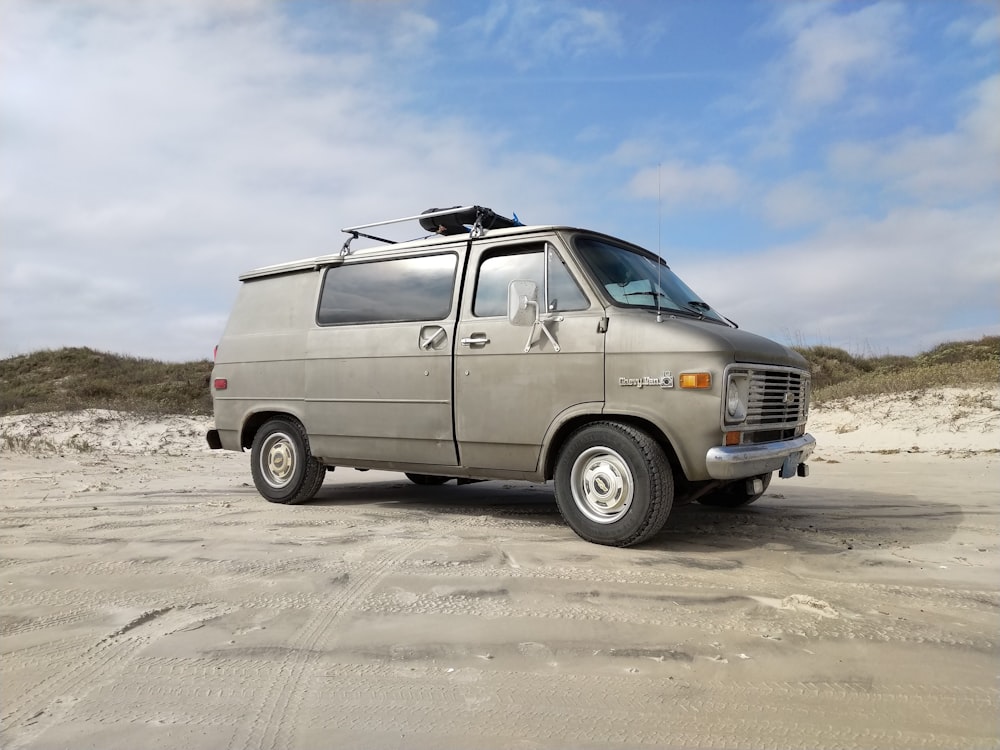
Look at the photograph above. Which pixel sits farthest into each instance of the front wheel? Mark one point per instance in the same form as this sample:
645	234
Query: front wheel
284	470
613	484
735	495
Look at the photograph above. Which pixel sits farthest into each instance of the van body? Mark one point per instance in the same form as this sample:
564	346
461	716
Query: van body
522	352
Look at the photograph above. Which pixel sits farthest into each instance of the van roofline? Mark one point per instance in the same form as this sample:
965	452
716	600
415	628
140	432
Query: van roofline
429	243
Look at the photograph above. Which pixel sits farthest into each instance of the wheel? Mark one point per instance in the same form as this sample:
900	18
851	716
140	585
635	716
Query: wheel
283	468
613	484
426	479
735	494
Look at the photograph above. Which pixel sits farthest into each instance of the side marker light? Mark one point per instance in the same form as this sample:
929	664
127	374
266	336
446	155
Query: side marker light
698	380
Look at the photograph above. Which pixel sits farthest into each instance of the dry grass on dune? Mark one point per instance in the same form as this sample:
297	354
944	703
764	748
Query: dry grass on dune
837	374
79	378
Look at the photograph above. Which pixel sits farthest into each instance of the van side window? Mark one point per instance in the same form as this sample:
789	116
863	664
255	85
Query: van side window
498	270
388	291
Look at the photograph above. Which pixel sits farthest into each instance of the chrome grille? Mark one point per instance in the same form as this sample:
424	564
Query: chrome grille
777	398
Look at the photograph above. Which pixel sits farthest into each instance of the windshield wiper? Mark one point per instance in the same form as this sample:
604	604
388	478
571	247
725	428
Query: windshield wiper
650	294
699	305
695	306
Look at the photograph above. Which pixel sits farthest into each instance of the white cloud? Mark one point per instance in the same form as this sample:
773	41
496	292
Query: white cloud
829	55
987	33
680	184
525	33
956	164
797	201
982	33
160	149
633	151
831	49
412	33
893	284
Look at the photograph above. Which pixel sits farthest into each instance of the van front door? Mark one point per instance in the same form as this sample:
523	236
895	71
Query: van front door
379	365
506	398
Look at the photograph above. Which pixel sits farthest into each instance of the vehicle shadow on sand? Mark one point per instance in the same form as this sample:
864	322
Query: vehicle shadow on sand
806	520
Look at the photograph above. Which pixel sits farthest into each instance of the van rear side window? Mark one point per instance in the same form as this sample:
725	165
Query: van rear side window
388	291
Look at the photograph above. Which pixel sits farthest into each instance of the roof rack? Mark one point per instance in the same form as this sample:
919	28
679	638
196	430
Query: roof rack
455	220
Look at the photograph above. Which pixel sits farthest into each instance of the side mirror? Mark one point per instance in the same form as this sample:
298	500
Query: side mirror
522	302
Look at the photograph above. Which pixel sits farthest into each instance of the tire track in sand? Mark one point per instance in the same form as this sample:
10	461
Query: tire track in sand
31	712
276	711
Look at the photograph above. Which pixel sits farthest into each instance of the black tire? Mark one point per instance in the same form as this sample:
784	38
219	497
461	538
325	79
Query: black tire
426	479
613	484
284	470
735	495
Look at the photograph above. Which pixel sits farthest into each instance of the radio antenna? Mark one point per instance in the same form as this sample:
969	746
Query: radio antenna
659	226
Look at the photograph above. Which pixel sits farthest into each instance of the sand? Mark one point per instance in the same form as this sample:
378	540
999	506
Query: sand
152	599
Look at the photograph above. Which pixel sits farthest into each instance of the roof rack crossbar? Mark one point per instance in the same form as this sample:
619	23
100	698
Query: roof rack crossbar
443	212
480	218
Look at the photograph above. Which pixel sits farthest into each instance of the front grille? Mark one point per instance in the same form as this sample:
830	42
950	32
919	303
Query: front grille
777	398
770	436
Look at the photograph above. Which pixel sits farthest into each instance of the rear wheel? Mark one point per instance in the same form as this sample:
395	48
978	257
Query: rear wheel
613	484
284	470
736	494
426	479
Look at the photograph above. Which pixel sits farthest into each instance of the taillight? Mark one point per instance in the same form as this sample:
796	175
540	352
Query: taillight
221	384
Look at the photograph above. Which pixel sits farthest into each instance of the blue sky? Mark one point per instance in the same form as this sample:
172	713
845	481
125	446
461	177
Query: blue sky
819	172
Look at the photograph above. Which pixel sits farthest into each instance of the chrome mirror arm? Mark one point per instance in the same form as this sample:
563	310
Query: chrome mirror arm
539	323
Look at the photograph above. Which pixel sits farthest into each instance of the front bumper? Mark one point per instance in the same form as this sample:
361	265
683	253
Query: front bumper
739	461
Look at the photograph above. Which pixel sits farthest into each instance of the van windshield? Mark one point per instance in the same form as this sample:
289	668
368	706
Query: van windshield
635	279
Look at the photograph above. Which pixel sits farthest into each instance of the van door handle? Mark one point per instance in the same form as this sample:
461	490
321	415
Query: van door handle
476	339
430	336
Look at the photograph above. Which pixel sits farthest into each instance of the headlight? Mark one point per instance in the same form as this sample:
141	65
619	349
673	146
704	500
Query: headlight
732	399
736	409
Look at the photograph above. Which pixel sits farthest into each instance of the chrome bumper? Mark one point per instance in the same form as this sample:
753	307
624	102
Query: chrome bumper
738	461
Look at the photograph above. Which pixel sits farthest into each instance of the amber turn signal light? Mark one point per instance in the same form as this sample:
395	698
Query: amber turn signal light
696	380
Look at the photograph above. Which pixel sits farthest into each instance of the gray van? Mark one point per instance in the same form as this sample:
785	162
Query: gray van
491	350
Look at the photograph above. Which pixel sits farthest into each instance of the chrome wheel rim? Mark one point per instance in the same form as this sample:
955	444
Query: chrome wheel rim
602	484
277	460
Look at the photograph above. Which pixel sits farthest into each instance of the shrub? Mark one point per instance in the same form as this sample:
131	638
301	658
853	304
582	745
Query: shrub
81	378
838	374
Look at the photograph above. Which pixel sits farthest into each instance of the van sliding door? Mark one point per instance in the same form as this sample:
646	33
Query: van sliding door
378	368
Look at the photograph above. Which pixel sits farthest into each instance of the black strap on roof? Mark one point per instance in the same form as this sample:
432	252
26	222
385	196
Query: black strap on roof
354	234
461	219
